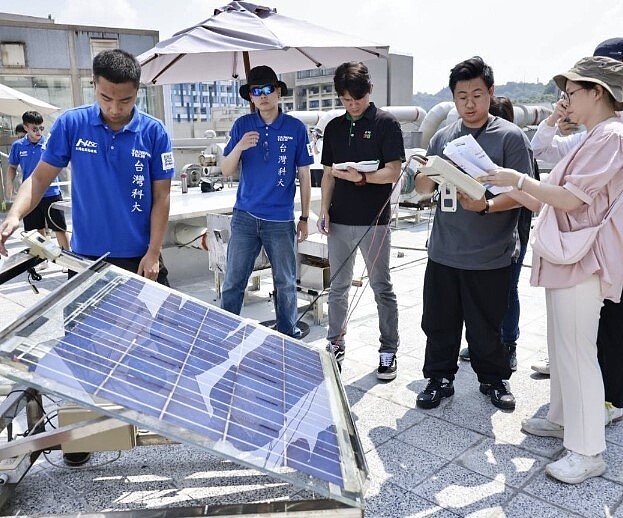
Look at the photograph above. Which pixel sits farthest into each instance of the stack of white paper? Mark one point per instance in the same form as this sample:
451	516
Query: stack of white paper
471	158
365	166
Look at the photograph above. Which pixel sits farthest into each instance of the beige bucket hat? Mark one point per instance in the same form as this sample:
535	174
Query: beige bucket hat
604	71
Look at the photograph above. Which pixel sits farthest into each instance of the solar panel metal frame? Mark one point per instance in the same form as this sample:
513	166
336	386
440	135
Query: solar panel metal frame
35	349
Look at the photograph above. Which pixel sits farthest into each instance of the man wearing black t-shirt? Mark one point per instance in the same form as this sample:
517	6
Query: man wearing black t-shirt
355	208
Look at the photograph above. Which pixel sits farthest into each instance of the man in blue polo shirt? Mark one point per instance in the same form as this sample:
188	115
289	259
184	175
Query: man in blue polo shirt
121	169
25	153
271	148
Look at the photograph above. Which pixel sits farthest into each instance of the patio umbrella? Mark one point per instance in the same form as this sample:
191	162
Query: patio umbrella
15	103
242	35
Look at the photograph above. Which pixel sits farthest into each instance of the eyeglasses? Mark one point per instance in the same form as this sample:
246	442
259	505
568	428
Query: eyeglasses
37	129
256	91
566	96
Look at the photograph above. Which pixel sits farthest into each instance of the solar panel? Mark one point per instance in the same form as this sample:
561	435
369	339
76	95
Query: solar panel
194	373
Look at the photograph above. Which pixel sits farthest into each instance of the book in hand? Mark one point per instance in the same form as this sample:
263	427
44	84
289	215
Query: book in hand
365	166
442	171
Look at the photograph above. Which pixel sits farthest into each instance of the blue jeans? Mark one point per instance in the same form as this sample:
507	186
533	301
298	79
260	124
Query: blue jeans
248	235
510	324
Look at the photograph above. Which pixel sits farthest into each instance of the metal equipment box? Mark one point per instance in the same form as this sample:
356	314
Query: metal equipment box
121	438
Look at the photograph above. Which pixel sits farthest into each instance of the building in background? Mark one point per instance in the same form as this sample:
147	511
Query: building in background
52	61
312	90
194	108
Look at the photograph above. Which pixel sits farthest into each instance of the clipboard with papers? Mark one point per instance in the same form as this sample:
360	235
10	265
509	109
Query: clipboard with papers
467	154
443	172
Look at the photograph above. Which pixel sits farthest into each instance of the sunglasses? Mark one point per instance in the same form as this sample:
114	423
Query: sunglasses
37	129
256	91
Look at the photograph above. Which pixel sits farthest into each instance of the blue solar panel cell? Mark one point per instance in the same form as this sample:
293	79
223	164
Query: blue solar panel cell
230	385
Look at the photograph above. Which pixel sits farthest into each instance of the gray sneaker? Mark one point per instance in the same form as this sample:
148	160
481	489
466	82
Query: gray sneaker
542	427
541	367
574	467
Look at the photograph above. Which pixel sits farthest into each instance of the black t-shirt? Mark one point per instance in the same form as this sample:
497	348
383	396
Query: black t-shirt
375	136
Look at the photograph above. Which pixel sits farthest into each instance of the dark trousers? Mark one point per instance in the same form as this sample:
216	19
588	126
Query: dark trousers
610	350
131	264
479	299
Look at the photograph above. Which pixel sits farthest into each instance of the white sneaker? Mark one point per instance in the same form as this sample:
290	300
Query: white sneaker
574	467
542	427
613	414
542	367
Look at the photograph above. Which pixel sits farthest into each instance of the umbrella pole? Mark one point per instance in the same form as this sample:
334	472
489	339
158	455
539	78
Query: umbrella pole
247	67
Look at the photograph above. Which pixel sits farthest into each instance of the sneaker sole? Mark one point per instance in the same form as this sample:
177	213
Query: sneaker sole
595	472
498	404
386	376
428	405
612	421
543	372
503	405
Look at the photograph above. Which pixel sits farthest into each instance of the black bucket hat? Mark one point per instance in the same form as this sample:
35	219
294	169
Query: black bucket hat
260	76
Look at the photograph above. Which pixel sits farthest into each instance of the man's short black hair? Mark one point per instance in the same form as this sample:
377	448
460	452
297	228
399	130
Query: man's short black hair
471	68
32	117
353	78
20	129
117	66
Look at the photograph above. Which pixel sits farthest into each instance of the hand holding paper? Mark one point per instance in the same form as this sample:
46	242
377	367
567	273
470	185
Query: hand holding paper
466	153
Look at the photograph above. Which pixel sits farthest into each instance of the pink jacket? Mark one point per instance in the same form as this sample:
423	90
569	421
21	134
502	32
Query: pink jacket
594	173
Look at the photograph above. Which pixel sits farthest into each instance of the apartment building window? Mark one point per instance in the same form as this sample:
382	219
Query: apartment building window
13	54
100	44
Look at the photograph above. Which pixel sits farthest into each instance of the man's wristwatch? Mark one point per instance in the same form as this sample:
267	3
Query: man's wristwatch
486	209
303	218
363	180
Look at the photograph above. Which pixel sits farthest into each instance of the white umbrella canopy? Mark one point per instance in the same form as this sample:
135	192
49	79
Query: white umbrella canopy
15	103
242	35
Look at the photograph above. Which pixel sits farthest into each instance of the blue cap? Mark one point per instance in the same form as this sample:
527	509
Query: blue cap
611	48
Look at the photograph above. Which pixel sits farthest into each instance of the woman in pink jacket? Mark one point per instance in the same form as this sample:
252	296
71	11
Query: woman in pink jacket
580	190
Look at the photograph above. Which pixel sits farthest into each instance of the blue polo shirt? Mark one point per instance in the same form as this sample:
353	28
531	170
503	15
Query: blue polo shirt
268	171
111	178
26	154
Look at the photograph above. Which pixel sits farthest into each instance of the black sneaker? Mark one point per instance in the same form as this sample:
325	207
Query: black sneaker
435	391
339	351
76	459
500	394
388	366
512	357
464	354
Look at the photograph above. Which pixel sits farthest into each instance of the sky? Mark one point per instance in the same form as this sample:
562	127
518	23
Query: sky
524	41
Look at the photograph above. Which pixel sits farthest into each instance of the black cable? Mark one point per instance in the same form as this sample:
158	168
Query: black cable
182	245
419	158
58	229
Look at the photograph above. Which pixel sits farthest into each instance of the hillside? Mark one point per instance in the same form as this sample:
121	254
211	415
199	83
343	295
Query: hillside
518	93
